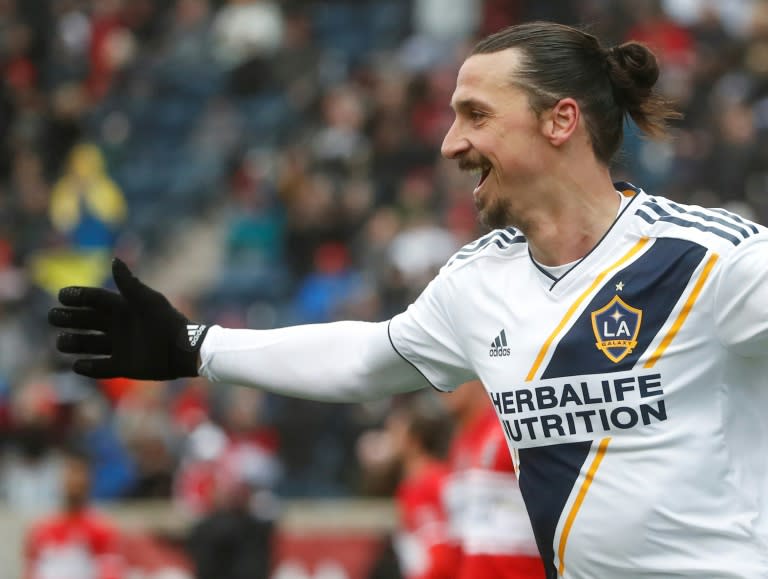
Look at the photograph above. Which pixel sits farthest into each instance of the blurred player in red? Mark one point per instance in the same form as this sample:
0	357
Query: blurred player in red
424	544
76	543
483	498
407	458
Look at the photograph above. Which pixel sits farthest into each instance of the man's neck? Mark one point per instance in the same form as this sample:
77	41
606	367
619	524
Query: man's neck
571	222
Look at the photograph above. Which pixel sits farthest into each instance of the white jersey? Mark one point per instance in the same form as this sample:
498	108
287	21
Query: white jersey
633	390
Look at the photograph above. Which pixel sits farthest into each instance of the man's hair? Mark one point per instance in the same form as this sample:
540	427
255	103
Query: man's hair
76	452
559	61
428	423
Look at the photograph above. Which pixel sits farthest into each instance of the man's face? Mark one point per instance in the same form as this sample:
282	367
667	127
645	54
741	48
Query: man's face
497	134
76	482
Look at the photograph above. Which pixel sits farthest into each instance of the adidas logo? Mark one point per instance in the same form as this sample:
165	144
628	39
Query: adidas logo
499	346
194	331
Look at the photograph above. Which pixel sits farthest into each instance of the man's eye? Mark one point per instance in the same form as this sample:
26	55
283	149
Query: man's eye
476	115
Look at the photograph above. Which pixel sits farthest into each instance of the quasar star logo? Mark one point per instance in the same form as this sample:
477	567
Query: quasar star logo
616	326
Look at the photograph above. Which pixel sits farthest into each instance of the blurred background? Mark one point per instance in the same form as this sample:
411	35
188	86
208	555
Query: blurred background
265	163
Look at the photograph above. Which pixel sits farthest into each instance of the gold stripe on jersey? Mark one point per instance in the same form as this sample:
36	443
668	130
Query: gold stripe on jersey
575	305
601	450
683	315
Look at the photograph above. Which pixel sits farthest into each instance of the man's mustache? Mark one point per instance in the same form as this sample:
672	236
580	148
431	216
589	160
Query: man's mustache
469	163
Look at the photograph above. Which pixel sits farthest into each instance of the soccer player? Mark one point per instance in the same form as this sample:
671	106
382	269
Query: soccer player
482	495
424	544
77	542
623	338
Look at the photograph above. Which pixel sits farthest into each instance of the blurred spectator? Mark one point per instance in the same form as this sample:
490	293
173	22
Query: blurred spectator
297	65
112	46
31	471
218	459
16	354
76	541
86	209
311	221
247	29
195	480
86	204
253	267
323	292
145	427
69	43
113	471
68	106
423	244
252	446
420	250
231	541
30	205
187	42
21	74
340	146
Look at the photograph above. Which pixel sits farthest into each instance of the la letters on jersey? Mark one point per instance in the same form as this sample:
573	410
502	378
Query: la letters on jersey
580	407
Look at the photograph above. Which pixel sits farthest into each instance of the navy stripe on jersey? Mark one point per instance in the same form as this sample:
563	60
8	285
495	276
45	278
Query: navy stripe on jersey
708	216
653	283
713	223
501	238
736	217
547	477
484	240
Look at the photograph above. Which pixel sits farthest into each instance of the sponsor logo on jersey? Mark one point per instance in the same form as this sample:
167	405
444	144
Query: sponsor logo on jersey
580	406
616	326
499	346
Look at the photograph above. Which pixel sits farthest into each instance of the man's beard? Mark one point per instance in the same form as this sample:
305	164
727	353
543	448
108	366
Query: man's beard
494	213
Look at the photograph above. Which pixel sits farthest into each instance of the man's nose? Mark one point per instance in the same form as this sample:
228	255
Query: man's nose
453	144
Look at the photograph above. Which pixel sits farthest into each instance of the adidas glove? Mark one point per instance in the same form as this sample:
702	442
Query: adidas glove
136	333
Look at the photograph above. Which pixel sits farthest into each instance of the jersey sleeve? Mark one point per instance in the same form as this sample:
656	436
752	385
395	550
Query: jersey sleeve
345	361
741	298
425	336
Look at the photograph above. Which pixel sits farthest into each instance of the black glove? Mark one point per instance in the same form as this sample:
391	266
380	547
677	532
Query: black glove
140	334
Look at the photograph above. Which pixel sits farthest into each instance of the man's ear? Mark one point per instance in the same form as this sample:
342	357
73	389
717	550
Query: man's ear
560	121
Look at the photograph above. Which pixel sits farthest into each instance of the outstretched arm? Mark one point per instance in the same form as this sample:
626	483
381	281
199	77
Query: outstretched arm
137	333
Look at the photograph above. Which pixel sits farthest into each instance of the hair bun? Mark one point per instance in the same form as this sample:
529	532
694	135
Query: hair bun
633	70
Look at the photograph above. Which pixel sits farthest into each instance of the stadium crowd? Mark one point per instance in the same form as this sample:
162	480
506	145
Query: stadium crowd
305	134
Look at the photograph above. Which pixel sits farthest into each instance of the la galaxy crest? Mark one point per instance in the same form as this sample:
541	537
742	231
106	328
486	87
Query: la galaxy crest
616	326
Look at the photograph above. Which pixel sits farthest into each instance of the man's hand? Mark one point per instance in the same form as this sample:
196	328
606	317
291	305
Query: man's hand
136	333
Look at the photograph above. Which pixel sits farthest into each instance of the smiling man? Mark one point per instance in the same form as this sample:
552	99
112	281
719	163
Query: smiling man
622	337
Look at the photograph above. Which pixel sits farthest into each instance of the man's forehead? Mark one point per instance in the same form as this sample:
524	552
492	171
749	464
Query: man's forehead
485	72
